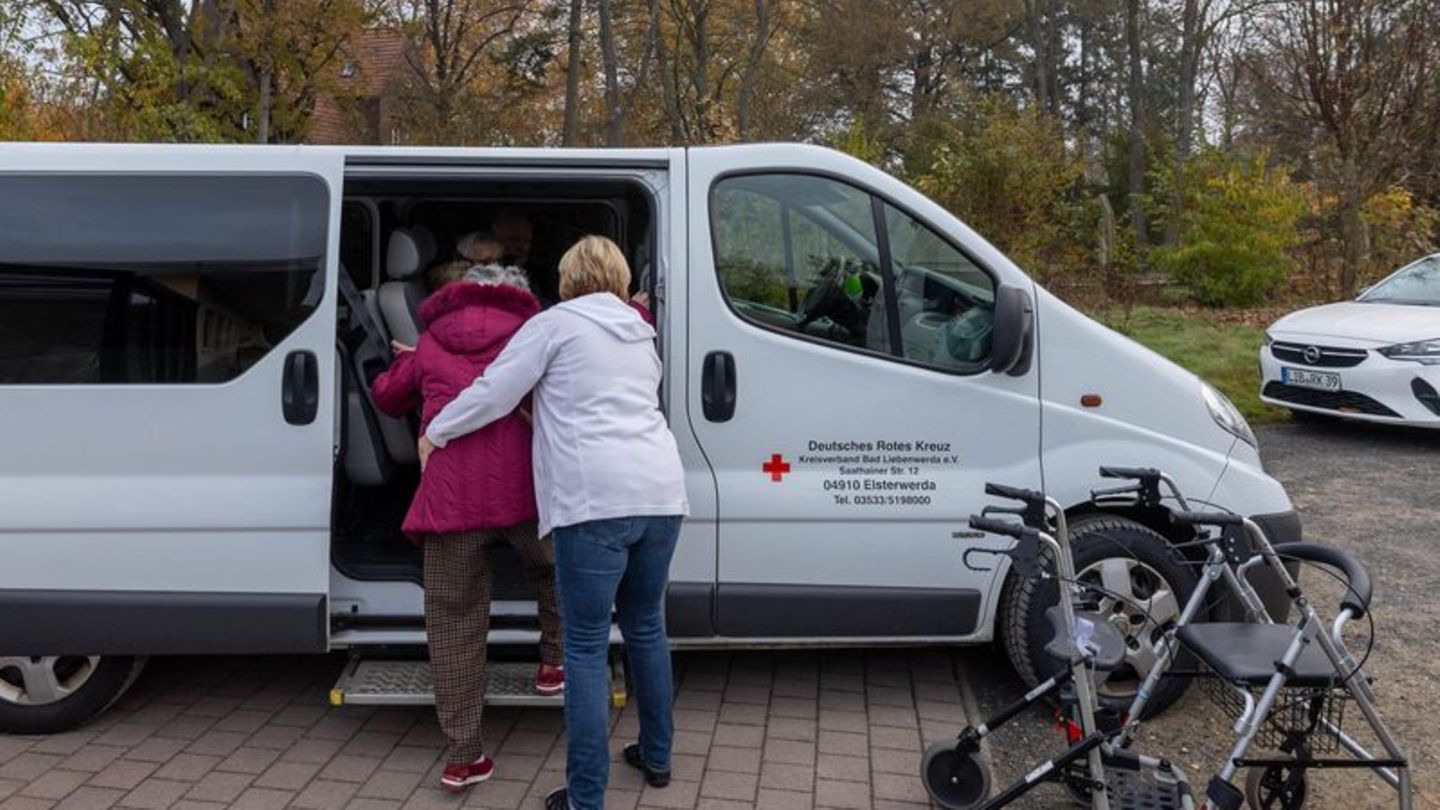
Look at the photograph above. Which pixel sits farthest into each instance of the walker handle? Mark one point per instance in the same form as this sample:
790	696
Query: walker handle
1005	528
1209	518
1028	496
1136	473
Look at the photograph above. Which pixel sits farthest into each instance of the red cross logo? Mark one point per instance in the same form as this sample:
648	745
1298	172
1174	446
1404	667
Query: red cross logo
777	466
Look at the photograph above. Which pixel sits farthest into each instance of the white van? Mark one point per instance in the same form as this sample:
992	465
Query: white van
190	464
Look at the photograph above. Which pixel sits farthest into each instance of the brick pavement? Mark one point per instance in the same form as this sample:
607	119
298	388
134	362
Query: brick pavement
754	729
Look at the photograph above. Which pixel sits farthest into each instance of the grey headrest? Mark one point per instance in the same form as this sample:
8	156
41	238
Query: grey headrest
410	251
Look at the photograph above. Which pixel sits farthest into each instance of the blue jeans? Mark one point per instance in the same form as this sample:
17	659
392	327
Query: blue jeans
624	562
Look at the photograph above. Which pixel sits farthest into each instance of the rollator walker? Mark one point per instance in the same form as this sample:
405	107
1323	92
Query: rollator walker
1286	684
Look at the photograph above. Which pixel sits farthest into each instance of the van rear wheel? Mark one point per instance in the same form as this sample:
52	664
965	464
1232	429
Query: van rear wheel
1124	557
49	694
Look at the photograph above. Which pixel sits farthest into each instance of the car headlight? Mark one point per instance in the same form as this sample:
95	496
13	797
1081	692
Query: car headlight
1421	351
1226	415
1269	339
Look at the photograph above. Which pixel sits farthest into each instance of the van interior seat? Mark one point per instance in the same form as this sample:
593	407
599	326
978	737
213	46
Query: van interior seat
364	456
365	359
408	253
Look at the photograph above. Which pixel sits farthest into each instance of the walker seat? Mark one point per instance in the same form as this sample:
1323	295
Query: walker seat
1244	653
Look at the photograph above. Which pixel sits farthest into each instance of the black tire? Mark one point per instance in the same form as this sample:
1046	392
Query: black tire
1093	538
955	779
1276	787
107	680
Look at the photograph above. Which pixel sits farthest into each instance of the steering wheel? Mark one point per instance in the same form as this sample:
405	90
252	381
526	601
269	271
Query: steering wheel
822	299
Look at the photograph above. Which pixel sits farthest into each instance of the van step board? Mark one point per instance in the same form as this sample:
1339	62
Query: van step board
407	682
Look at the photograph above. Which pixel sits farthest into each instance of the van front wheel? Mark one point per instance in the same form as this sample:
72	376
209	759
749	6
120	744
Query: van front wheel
1129	560
49	694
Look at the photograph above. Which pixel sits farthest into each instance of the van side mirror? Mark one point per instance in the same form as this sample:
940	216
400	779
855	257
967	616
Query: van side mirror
1013	335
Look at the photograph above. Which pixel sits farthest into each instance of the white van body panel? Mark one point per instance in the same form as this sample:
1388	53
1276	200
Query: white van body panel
792	534
1152	414
182	488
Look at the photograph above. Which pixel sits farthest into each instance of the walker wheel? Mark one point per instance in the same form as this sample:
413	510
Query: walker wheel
1275	787
955	779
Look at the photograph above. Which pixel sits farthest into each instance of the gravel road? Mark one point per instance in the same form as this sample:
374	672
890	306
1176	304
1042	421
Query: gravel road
1371	491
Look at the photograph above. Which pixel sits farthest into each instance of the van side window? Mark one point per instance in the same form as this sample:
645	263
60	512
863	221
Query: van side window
154	278
798	253
946	303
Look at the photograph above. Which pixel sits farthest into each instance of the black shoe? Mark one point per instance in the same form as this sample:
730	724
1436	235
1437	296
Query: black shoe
657	779
559	799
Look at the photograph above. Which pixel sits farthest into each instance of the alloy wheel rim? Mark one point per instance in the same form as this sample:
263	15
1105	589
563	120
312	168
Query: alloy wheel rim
1149	604
43	680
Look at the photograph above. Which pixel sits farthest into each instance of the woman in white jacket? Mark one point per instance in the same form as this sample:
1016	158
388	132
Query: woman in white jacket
609	483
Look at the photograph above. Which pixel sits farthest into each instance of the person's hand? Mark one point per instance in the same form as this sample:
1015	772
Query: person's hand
642	298
400	348
425	448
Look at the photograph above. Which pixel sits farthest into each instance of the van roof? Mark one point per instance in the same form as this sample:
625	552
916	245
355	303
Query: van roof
363	154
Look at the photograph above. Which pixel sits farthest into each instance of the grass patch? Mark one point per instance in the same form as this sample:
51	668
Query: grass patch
1223	354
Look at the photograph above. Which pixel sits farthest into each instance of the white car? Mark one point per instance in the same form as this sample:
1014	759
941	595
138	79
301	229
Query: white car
1376	358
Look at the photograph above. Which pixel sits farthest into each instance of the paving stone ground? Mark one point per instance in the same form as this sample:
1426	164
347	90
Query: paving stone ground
754	729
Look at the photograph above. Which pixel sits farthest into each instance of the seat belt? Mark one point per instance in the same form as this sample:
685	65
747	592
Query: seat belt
360	315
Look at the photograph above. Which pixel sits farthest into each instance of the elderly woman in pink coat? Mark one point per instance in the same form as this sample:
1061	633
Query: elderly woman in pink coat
479	492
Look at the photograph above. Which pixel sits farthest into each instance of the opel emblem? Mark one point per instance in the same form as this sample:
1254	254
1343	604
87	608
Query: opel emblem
1312	354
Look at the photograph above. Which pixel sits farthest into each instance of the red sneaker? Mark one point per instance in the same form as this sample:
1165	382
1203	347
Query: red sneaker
458	777
550	680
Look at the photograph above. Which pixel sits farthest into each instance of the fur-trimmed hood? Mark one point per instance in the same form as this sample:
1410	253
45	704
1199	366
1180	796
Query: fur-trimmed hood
468	318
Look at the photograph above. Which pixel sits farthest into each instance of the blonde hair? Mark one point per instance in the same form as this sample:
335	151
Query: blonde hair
445	273
594	265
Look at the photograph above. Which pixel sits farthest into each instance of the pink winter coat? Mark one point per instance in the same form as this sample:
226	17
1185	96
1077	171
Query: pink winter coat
482	480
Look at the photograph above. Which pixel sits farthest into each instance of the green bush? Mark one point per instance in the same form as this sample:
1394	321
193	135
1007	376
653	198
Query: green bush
1238	224
1009	174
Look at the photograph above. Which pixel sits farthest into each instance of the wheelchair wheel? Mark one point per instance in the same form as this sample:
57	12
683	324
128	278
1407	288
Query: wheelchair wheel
1275	787
956	780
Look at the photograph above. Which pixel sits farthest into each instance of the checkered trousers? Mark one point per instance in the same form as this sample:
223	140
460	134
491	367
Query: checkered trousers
457	622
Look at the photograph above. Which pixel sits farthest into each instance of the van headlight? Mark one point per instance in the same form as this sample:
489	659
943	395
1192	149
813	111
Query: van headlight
1226	415
1421	351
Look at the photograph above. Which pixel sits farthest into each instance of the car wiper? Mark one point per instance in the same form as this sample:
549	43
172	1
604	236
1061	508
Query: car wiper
1407	301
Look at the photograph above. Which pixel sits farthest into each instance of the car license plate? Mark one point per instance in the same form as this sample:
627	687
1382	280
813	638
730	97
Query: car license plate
1321	380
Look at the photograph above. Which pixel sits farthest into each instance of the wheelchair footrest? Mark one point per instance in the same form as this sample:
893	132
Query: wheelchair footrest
1142	789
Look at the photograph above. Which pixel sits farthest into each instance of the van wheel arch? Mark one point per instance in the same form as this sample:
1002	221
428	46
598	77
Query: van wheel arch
1024	631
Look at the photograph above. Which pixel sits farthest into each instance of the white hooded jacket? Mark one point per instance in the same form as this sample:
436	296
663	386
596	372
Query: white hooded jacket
602	448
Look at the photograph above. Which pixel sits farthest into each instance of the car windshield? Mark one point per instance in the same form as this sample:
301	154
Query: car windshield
1417	284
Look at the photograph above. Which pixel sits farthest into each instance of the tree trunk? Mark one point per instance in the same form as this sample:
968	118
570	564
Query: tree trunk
614	110
1137	129
1190	51
1354	235
668	77
705	124
262	120
1082	98
1035	32
752	68
572	76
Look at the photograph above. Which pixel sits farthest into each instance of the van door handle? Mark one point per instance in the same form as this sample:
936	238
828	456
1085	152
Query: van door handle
300	388
717	386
